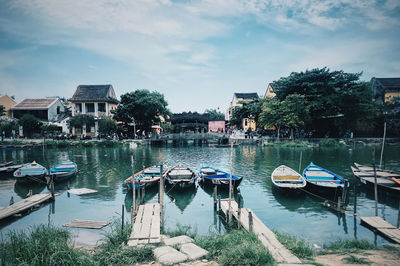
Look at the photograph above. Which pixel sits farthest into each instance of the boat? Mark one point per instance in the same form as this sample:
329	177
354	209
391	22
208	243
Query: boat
63	171
7	171
210	176
287	179
5	164
180	177
31	173
387	180
322	181
146	178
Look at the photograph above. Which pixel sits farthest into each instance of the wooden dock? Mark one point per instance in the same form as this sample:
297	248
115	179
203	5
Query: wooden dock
383	227
146	228
280	253
23	205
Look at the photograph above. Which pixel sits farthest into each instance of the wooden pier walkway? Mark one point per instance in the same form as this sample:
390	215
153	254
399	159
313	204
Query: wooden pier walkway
383	227
264	234
23	205
146	228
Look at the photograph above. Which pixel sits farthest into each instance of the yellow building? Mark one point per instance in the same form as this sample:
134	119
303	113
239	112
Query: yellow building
238	100
269	93
249	123
7	102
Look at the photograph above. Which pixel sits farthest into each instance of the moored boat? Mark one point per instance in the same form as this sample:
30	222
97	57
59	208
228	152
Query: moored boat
386	180
322	181
146	178
180	177
31	173
63	171
7	171
287	179
210	176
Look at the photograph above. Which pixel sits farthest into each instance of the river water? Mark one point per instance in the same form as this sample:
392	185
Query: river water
104	169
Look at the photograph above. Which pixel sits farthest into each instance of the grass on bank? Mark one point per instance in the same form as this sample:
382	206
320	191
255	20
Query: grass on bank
290	144
49	245
347	246
330	143
297	246
238	247
356	260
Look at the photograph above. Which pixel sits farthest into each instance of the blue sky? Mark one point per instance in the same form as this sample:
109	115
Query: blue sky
197	53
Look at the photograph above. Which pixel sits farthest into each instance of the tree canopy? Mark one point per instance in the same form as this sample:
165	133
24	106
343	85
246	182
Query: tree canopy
30	124
337	101
82	119
214	114
142	107
107	125
249	109
2	110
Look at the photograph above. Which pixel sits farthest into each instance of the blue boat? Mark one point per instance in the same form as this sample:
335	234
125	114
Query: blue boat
210	176
323	181
63	171
145	178
31	173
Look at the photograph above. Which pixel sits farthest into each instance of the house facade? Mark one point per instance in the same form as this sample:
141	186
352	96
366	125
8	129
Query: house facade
7	102
47	109
269	93
238	100
386	89
95	100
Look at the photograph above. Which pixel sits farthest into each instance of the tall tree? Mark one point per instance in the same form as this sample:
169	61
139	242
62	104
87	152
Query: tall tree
142	107
82	119
107	125
249	109
30	124
272	116
214	114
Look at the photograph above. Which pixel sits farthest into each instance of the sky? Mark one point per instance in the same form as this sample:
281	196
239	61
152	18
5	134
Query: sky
197	53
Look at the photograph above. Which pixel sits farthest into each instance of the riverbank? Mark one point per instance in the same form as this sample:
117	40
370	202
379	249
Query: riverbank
49	245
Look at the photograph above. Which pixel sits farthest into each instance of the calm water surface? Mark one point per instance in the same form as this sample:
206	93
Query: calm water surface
104	169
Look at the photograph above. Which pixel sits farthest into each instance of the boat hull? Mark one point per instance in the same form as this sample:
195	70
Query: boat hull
180	185
222	183
143	184
31	179
324	190
381	189
63	176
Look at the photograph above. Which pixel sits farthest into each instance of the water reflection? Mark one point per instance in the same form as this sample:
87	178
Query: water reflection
182	198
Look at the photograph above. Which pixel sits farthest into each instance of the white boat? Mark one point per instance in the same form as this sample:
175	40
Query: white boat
287	179
31	173
180	177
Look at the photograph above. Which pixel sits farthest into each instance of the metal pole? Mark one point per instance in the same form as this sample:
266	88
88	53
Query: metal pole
383	144
375	191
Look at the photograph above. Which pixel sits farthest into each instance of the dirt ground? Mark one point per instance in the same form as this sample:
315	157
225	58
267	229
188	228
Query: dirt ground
375	257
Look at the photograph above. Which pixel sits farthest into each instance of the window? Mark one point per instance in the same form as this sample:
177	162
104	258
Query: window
58	110
90	108
245	122
102	107
78	107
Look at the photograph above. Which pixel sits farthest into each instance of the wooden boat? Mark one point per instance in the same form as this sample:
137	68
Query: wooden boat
31	173
180	177
287	179
63	171
7	171
146	178
387	181
5	164
323	181
213	177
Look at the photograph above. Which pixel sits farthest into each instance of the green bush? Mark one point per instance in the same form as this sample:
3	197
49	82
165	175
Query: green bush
347	246
298	246
330	143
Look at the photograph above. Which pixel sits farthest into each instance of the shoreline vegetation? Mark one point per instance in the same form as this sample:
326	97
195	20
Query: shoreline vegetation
51	245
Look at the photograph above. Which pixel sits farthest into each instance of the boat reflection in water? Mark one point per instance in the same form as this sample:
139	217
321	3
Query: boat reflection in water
182	198
223	193
23	190
290	202
150	194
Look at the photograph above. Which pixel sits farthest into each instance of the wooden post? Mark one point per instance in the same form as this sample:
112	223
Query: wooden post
398	217
161	193
215	197
123	214
301	155
383	144
250	221
143	194
239	211
345	188
52	186
338	203
133	196
219	202
375	191
355	200
12	200
230	187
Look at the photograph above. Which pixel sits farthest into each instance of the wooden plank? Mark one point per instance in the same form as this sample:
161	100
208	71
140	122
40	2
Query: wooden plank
23	205
132	242
146	222
376	222
155	222
86	224
137	226
393	234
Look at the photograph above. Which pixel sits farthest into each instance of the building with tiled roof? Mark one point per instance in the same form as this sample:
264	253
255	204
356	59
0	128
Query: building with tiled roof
385	89
7	102
46	109
95	100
